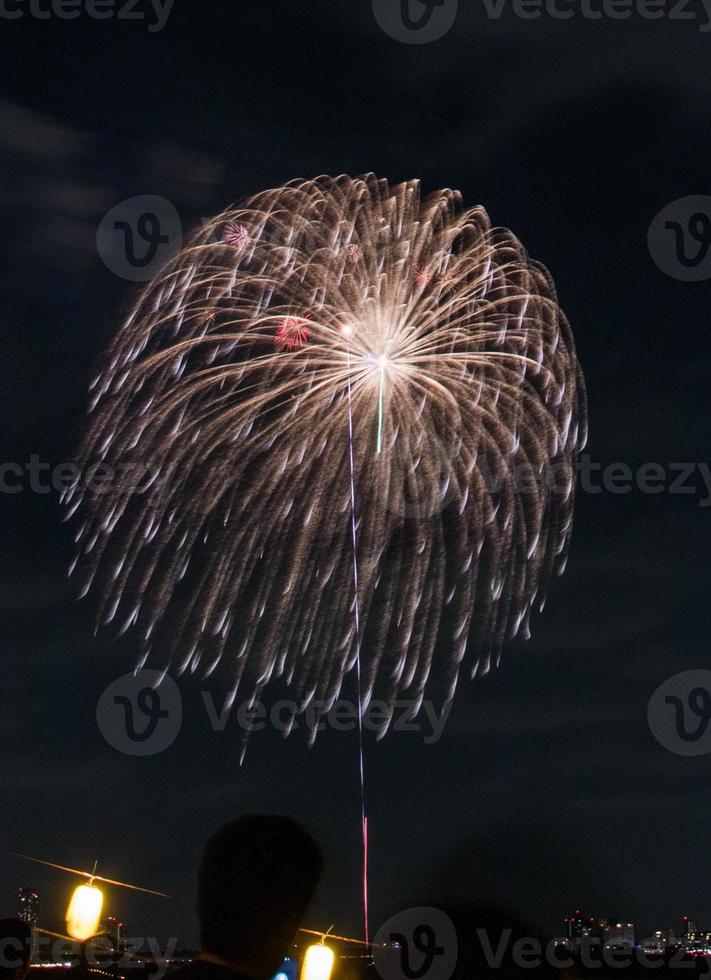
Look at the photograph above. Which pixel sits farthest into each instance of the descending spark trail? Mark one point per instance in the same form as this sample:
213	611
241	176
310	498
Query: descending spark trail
380	408
240	430
356	614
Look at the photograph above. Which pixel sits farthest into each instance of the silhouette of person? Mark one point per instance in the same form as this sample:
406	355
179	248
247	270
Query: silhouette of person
257	877
15	949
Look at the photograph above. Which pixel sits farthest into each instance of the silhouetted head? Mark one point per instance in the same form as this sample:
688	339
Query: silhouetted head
256	878
15	948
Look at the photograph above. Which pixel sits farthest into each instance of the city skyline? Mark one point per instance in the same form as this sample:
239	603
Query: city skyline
577	925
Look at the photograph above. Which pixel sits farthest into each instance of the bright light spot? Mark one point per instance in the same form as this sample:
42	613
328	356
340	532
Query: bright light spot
318	963
84	912
383	361
346	330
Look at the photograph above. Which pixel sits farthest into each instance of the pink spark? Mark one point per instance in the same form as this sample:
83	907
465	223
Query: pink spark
237	236
423	276
293	332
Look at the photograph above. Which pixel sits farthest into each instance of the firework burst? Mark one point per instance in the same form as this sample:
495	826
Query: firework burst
236	235
419	337
293	332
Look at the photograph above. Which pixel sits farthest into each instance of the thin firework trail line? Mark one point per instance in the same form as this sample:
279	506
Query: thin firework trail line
380	408
356	613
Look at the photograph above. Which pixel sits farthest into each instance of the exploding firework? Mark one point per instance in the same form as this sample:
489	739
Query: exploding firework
423	384
354	253
236	235
293	331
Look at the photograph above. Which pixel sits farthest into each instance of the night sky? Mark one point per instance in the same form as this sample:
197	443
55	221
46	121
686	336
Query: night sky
547	790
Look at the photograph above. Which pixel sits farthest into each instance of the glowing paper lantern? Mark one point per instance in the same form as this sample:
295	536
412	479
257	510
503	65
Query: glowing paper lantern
84	912
318	963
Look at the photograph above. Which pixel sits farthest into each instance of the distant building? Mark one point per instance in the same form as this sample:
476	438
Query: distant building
618	935
580	929
578	926
693	940
107	927
659	942
116	931
689	929
574	925
28	905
